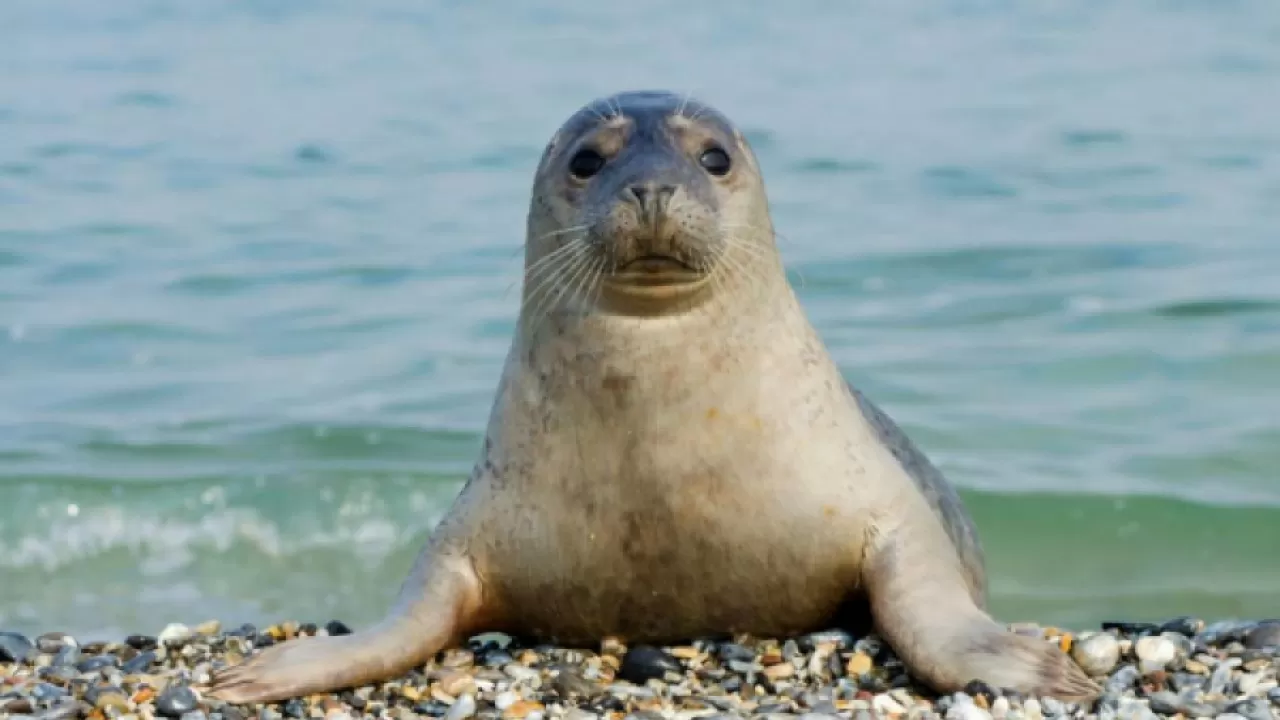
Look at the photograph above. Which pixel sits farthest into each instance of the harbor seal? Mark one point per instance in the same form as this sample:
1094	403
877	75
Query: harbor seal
672	452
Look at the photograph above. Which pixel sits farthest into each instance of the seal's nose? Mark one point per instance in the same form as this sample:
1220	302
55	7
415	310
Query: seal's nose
652	197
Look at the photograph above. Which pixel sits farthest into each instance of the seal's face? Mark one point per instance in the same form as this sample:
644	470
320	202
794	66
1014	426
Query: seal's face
641	183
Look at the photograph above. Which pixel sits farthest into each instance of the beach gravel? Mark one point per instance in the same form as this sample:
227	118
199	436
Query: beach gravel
1181	668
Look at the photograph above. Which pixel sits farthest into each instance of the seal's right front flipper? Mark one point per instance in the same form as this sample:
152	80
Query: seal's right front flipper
438	603
922	607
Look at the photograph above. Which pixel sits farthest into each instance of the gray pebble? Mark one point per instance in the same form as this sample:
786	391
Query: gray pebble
138	663
1186	681
1265	635
1165	702
1121	680
1186	626
497	659
1200	708
65	711
97	662
1252	709
45	692
841	639
1134	709
498	640
52	642
1054	707
1219	680
729	652
1225	631
195	715
176	701
68	655
15	647
1274	695
61	673
1097	654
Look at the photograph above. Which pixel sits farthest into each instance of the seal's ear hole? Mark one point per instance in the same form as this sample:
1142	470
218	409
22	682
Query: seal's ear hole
715	161
585	163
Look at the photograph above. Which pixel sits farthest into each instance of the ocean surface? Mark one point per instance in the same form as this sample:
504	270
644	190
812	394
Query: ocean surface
259	265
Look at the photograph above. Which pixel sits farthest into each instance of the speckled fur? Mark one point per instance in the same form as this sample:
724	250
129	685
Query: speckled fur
694	469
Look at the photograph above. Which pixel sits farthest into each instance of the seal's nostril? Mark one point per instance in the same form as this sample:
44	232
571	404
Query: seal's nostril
652	197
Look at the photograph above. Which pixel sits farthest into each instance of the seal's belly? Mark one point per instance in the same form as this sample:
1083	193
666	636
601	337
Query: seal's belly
656	560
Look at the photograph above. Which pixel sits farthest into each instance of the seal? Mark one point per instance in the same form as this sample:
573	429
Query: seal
672	452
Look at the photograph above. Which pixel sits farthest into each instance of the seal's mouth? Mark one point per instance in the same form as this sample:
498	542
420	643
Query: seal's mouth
654	270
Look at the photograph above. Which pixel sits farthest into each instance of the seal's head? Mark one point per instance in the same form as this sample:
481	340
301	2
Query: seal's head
639	202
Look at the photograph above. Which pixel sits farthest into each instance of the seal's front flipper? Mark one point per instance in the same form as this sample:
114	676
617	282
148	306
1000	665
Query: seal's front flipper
922	607
438	603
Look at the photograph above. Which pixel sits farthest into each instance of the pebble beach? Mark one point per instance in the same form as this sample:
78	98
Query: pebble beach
1182	668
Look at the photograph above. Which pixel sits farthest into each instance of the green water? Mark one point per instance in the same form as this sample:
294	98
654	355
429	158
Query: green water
258	266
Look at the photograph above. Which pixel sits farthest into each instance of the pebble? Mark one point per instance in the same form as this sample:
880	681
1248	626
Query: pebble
97	662
462	708
66	656
1155	652
1097	654
1252	709
175	701
838	638
138	663
1186	625
15	647
1123	679
140	642
1265	635
52	642
336	627
1176	668
174	634
1219	680
644	662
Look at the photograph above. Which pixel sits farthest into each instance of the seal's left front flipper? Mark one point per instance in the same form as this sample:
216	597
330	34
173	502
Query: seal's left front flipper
439	601
923	609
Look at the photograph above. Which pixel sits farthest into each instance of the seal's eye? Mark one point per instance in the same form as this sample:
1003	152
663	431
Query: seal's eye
585	163
715	161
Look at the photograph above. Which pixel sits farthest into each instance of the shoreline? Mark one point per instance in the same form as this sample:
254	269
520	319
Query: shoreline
1184	667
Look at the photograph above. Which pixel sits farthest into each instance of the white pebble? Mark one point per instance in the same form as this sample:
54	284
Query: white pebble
1031	708
1155	653
902	696
1096	654
462	708
1248	683
886	705
174	634
964	709
1000	708
519	672
505	700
